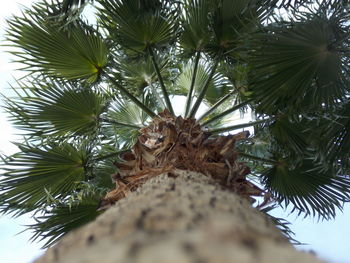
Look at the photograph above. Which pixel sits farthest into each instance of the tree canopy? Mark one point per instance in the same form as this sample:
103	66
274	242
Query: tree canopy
91	85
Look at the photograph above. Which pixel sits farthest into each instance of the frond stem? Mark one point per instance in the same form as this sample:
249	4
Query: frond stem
224	113
132	97
217	104
160	79
205	87
134	126
193	80
238	126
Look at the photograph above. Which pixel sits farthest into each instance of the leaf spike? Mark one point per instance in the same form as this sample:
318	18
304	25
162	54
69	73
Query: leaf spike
132	97
222	114
160	78
193	80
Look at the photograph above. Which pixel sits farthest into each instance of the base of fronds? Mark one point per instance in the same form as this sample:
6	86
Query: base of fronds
173	143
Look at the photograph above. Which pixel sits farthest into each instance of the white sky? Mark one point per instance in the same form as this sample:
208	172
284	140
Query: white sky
329	239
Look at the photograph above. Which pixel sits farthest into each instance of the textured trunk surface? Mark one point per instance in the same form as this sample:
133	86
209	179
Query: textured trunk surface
181	217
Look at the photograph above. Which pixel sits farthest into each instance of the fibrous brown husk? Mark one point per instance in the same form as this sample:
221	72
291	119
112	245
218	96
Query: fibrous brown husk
170	143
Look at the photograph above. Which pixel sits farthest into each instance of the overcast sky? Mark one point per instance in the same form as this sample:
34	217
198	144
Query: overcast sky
329	239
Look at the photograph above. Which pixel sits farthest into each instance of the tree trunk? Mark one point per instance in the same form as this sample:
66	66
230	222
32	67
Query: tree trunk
178	217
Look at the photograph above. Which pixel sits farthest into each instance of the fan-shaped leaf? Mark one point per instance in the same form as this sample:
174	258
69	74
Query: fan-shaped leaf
217	86
128	113
45	47
56	109
289	135
64	218
339	131
311	190
196	34
232	20
297	66
32	173
138	24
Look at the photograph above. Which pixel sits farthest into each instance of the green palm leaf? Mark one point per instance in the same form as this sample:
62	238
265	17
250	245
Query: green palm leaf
195	35
64	218
338	129
282	224
44	47
289	135
126	112
138	24
298	66
310	189
56	108
218	86
104	169
138	75
32	173
232	20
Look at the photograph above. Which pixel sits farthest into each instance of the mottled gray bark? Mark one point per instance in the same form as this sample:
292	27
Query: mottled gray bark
179	219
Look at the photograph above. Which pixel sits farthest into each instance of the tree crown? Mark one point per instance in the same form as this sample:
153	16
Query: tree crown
91	87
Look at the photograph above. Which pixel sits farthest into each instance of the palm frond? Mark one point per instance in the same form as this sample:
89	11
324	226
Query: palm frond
65	13
34	172
285	3
281	223
55	108
160	79
196	25
64	218
138	74
297	4
44	47
237	75
126	112
238	126
223	114
297	66
231	21
217	86
124	90
140	77
104	170
311	190
138	24
289	135
205	86
338	129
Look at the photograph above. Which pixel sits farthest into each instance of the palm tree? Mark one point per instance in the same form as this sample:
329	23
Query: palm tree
98	101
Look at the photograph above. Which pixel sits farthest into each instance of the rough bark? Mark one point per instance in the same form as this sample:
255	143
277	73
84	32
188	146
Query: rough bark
180	217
